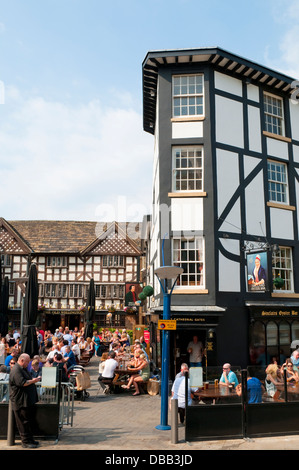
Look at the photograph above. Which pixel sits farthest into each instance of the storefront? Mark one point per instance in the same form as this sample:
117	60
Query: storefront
197	321
271	331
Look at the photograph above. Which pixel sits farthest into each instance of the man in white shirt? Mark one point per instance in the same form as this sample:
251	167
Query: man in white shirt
178	392
110	366
108	372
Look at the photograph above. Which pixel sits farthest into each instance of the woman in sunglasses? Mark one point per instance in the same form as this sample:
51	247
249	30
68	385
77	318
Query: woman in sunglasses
291	372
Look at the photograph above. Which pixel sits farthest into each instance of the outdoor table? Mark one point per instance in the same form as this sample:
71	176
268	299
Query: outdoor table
120	372
292	389
215	393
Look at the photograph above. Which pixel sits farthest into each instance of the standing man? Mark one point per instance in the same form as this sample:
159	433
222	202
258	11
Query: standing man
178	391
195	349
23	396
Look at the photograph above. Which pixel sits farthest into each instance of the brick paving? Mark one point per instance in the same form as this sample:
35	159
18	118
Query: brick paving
124	422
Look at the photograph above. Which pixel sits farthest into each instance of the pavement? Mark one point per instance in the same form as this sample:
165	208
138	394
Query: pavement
123	422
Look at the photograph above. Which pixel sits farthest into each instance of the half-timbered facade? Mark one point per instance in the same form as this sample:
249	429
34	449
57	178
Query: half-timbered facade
68	255
225	198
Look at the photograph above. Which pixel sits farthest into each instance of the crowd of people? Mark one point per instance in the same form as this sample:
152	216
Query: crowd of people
135	357
64	348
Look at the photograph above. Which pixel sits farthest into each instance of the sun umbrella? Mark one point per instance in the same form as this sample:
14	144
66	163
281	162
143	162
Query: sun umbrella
90	310
30	312
4	307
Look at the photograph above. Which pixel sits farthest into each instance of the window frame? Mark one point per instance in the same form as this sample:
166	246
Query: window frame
270	127
290	270
276	183
199	277
188	96
181	169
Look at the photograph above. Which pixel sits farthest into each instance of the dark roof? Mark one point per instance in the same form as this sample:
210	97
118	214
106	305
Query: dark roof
46	236
221	60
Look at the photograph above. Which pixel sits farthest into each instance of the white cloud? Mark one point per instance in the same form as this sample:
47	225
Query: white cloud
63	162
286	15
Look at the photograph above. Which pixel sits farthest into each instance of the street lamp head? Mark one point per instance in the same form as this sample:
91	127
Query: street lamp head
168	272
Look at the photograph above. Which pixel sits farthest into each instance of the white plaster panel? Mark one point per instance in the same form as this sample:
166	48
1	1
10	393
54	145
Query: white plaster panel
297	196
229	84
281	223
296	153
227	177
185	130
230	245
187	214
277	148
294	112
249	164
229	122
255	206
229	275
254	125
253	93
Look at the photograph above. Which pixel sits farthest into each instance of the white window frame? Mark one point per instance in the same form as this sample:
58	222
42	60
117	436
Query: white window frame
184	255
274	121
185	95
282	266
56	261
183	155
276	184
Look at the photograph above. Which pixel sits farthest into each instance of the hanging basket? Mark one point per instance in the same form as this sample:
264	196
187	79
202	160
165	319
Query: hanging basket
278	282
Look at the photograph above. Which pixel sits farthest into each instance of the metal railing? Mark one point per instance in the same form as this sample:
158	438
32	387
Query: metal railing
65	395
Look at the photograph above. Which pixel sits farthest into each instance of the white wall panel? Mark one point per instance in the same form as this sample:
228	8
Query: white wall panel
294	112
277	148
187	214
296	153
227	177
229	275
228	84
254	129
253	93
281	223
229	122
185	130
255	206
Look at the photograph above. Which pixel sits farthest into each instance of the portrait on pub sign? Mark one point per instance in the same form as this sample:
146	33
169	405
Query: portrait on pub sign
257	272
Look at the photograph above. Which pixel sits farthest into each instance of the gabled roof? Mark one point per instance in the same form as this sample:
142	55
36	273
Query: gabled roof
11	242
44	236
221	60
113	241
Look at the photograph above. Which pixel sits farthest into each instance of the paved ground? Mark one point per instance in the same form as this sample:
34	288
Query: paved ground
124	422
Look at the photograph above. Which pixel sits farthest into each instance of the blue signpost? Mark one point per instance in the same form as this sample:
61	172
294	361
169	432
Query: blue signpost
165	274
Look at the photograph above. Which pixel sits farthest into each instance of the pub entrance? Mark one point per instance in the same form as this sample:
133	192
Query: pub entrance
181	339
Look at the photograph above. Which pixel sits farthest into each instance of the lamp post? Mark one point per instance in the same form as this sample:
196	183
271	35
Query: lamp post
165	274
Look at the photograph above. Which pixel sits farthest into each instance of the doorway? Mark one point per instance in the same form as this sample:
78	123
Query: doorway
181	340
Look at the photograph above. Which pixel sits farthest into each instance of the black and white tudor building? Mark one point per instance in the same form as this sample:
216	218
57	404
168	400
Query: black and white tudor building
225	199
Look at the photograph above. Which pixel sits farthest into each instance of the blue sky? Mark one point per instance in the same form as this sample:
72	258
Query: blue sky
72	146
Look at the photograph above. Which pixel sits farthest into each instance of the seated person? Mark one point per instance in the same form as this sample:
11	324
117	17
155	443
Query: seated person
295	358
69	357
273	378
254	390
61	366
228	376
36	368
143	369
291	372
108	372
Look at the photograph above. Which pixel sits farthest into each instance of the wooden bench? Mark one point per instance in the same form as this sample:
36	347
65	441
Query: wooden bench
85	359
